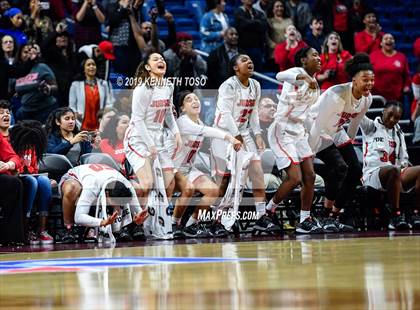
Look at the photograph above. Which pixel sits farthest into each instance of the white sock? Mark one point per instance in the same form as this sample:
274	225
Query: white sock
191	221
175	220
304	215
260	208
271	205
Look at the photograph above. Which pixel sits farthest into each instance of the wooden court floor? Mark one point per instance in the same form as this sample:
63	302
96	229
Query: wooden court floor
355	273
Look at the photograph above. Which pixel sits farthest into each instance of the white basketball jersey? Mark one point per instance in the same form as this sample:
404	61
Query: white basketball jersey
295	101
237	107
382	146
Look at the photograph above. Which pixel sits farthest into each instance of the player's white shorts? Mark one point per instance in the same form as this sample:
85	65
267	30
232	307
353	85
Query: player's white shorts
288	149
219	154
136	151
192	174
371	178
67	176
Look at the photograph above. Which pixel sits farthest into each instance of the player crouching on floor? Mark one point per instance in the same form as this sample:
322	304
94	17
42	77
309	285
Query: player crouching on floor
385	162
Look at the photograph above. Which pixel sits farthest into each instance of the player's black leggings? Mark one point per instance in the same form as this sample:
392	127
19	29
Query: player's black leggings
341	173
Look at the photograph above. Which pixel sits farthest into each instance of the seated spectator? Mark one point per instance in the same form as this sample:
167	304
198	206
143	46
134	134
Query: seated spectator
11	193
105	115
300	13
58	51
12	23
29	141
183	62
218	60
112	137
5	118
369	40
336	17
385	162
315	37
102	54
252	27
8	49
278	20
213	25
64	137
333	59
38	24
88	95
390	66
284	53
88	16
36	89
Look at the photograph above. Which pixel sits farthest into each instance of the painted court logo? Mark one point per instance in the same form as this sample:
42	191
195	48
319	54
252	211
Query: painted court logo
95	264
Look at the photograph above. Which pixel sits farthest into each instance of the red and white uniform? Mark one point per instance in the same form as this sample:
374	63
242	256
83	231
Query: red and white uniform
93	178
192	135
151	108
287	136
236	111
334	108
381	147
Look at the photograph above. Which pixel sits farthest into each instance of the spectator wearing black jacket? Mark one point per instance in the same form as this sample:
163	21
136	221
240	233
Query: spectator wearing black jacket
252	27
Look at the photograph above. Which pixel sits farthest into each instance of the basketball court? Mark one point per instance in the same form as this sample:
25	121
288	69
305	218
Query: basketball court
338	271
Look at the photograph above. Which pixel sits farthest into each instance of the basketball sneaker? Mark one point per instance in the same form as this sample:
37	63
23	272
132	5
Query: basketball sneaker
33	239
308	226
329	224
196	230
218	230
415	220
45	238
70	235
265	224
398	222
138	233
177	232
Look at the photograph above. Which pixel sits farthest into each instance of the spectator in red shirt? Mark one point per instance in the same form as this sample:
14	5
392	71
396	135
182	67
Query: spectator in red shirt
284	53
333	59
113	136
392	75
369	40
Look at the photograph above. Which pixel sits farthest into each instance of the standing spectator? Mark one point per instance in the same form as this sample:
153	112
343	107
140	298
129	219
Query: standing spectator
278	20
300	14
357	12
262	6
58	51
60	9
8	49
336	16
102	54
12	23
89	16
415	106
390	66
11	193
88	95
213	25
112	137
29	141
333	59
316	37
182	61
64	137
218	60
252	26
369	40
124	33
36	89
284	53
38	24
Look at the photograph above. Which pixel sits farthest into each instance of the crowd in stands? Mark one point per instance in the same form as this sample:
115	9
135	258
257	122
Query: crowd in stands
57	59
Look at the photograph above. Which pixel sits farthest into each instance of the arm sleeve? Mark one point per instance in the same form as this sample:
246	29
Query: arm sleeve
58	148
8	154
367	126
406	73
404	161
81	216
200	66
170	118
225	104
139	103
115	14
73	97
243	23
355	122
289	76
206	34
254	121
188	127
